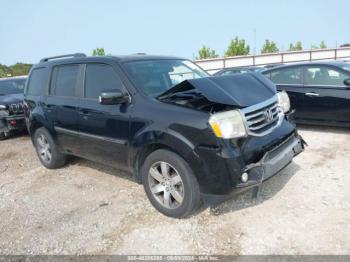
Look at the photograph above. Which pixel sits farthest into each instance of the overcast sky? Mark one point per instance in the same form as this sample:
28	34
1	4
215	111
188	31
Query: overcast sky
30	30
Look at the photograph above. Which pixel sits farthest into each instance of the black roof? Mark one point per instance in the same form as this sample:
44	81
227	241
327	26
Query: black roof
338	63
119	58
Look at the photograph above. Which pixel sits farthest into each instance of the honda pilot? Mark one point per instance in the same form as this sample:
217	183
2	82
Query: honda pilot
181	133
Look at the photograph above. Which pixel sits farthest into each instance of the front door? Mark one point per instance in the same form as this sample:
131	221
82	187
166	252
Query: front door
103	129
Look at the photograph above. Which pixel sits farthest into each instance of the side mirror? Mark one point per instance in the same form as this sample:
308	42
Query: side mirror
113	97
347	82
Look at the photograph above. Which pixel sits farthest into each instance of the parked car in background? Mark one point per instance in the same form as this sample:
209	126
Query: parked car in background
179	131
11	105
241	70
238	70
319	91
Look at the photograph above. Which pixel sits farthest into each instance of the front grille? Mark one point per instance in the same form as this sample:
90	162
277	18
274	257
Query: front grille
16	109
260	119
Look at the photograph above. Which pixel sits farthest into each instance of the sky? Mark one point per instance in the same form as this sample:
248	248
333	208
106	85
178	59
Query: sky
32	29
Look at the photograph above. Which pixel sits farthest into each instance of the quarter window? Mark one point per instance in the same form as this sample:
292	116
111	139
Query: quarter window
65	80
322	75
37	82
287	76
100	77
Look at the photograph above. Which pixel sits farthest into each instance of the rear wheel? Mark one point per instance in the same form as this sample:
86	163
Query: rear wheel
46	149
170	184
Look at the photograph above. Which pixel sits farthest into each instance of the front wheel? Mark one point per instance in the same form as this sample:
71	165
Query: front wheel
170	184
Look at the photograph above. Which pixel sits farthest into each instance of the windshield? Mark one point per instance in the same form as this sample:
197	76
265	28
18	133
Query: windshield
154	77
12	86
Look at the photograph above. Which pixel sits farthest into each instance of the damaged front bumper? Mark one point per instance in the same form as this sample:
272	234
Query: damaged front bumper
273	161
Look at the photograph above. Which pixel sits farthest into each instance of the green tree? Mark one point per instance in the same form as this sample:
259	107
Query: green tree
98	51
321	46
269	47
2	73
296	47
20	69
205	52
237	47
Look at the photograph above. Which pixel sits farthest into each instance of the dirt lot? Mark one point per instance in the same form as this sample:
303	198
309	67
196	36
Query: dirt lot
86	208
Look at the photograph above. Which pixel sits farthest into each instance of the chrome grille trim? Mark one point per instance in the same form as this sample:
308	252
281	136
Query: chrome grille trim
262	118
16	109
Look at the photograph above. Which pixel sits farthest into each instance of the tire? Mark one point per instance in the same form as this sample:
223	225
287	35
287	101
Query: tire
161	175
46	149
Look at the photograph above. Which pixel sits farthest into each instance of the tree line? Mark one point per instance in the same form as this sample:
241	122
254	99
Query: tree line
239	46
18	69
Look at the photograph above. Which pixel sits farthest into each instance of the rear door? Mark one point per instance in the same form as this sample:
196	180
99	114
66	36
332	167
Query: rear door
62	104
104	129
326	97
289	79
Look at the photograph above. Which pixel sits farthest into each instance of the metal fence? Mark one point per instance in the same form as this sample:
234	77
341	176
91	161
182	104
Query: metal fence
216	64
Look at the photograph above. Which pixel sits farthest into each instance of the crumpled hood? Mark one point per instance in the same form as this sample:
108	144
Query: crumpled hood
241	90
11	99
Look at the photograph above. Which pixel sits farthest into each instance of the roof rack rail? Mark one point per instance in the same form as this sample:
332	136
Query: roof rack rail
45	59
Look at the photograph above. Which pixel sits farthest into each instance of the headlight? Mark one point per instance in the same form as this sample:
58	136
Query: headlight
283	101
3	107
228	124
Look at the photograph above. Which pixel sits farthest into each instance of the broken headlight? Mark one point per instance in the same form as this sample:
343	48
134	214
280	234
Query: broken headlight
283	101
228	124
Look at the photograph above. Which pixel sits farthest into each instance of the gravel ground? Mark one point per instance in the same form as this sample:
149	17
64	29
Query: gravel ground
86	208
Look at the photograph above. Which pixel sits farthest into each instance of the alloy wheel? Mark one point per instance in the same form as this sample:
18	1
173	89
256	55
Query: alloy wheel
44	148
166	185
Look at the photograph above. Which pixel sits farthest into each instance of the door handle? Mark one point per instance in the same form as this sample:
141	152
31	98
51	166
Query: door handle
312	94
84	112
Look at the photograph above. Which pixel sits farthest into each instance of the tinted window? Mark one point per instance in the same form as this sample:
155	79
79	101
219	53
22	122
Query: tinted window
100	78
286	76
321	75
12	86
64	80
37	82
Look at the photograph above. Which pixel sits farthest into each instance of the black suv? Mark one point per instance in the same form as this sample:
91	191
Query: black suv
11	105
180	132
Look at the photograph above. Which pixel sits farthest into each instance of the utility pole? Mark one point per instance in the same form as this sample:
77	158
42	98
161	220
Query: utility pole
254	41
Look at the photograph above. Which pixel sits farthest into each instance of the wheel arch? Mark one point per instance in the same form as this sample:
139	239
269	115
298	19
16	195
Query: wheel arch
171	141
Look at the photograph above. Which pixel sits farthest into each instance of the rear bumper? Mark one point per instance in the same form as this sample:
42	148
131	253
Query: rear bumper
12	123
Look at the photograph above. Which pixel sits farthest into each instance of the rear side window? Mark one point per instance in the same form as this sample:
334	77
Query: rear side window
37	82
100	77
321	75
285	76
65	80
